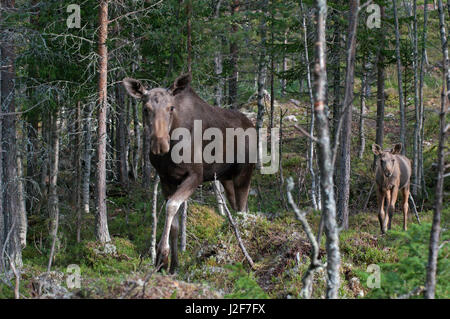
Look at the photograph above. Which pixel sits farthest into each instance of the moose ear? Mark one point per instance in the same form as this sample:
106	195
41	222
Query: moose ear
397	149
181	83
376	149
134	88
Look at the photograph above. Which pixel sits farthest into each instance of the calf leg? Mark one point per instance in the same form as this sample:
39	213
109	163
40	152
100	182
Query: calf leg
405	207
394	194
184	190
381	214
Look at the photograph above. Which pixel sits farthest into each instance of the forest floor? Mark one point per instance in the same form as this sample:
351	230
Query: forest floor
214	267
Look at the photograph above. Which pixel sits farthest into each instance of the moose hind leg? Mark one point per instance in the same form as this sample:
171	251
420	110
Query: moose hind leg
228	186
242	187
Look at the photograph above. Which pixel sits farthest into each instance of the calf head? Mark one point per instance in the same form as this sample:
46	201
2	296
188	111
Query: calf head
387	158
160	109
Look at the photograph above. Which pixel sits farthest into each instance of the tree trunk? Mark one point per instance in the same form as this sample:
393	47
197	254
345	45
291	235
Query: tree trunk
218	65
77	167
154	219
443	127
137	138
325	156
344	157
21	196
336	56
316	205
11	253
364	89
147	168
399	77
381	74
420	169
189	35
234	52
416	146
121	137
87	155
101	229
53	198
262	70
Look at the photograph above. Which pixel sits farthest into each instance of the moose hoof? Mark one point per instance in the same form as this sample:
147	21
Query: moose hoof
162	260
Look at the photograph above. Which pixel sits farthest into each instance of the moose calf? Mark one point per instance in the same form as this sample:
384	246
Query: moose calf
392	173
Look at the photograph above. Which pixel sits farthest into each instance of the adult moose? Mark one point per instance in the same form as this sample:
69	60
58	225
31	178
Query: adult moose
166	110
392	174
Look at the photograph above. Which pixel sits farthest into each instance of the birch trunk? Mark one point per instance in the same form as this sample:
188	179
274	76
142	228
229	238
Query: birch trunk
325	156
53	191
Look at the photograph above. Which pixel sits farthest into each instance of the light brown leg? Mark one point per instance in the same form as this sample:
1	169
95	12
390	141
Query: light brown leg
386	215
381	215
405	207
184	190
394	194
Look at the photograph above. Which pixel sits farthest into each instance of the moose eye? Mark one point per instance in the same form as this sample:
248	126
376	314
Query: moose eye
172	108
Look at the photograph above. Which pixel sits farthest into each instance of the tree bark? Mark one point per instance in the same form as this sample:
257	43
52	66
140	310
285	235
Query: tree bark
364	89
316	204
11	253
344	157
121	137
234	52
262	70
189	35
399	79
381	74
416	146
325	156
420	169
443	127
218	65
53	198
101	229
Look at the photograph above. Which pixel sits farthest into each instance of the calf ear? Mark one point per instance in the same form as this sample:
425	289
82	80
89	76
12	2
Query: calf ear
134	88
181	83
376	149
397	149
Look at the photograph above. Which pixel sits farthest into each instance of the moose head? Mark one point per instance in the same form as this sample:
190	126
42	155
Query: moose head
160	109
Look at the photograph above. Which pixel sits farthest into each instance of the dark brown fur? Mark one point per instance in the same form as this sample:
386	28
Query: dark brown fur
392	174
179	106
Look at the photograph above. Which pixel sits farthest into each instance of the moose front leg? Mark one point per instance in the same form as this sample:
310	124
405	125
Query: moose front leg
394	194
184	190
386	216
381	214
